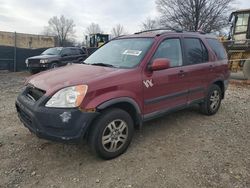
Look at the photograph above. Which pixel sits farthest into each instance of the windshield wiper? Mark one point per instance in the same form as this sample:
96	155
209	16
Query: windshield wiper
103	64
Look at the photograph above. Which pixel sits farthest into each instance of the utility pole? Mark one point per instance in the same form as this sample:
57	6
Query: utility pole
15	35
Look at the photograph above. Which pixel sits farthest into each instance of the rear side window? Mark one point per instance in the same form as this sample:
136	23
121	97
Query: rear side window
196	52
171	49
218	48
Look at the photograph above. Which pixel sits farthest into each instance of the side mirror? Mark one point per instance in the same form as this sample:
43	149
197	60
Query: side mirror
160	64
64	55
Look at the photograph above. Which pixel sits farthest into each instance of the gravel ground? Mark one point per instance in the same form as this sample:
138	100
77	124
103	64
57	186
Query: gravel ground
184	149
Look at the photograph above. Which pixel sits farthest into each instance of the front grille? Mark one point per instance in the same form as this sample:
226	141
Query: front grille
24	116
33	93
34	61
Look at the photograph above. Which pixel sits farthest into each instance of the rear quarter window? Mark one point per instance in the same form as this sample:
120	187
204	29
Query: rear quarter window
218	48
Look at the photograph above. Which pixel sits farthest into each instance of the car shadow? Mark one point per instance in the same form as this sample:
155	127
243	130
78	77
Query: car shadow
81	152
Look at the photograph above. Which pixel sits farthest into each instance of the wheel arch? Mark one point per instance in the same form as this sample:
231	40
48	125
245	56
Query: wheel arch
127	104
221	84
54	61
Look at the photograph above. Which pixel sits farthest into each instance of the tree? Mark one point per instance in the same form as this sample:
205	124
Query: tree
118	30
46	31
62	28
93	29
149	24
194	15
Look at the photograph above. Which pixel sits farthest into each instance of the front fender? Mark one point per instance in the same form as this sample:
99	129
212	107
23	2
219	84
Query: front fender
110	98
119	100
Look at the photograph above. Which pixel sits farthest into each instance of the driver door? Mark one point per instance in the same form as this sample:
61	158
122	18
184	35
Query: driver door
67	56
166	90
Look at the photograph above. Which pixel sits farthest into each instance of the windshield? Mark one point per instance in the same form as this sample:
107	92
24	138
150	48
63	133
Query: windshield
121	53
52	51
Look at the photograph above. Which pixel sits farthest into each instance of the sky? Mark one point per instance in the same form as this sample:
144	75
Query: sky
30	16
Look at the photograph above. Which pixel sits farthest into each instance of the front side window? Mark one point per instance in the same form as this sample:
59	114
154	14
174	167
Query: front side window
241	23
170	49
121	53
74	51
196	52
66	51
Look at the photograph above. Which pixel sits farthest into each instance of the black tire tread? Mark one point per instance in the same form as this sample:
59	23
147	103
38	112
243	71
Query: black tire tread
205	109
97	126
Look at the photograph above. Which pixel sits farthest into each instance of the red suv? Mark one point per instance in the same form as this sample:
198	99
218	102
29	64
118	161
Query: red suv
130	80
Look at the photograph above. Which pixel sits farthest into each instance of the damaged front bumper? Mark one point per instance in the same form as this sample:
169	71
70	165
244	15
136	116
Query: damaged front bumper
57	124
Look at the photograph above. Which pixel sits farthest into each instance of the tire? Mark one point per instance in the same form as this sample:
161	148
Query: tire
105	139
33	71
246	69
53	66
212	101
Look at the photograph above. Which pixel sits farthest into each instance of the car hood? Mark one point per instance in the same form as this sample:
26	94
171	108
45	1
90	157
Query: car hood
43	56
56	79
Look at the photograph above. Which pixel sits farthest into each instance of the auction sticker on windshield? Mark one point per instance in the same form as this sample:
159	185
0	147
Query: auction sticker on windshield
132	52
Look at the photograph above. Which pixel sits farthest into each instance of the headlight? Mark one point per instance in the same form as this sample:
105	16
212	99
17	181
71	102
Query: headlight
26	62
44	61
69	97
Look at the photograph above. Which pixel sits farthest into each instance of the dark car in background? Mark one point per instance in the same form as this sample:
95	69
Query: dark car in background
55	57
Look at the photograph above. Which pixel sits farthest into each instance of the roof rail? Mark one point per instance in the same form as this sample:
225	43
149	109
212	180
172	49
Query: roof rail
161	29
201	32
117	37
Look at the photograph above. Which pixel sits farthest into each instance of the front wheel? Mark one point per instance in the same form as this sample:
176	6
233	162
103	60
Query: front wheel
212	101
53	65
246	69
111	133
33	71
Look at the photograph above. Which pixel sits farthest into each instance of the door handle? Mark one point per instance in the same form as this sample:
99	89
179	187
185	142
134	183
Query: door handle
211	67
181	73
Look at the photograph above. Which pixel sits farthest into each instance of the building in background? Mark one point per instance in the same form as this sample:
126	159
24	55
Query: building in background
16	47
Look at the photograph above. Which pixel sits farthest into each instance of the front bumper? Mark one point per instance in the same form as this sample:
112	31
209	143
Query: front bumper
65	125
37	65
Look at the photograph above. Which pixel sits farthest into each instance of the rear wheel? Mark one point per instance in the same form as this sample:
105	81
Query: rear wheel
111	133
212	101
246	69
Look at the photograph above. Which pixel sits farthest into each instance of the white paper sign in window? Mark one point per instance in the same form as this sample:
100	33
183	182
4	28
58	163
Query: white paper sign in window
132	52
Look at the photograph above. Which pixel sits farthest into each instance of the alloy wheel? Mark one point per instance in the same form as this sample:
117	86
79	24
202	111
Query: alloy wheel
214	100
115	135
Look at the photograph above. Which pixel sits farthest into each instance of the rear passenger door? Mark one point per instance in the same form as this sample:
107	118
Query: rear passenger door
220	64
197	66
